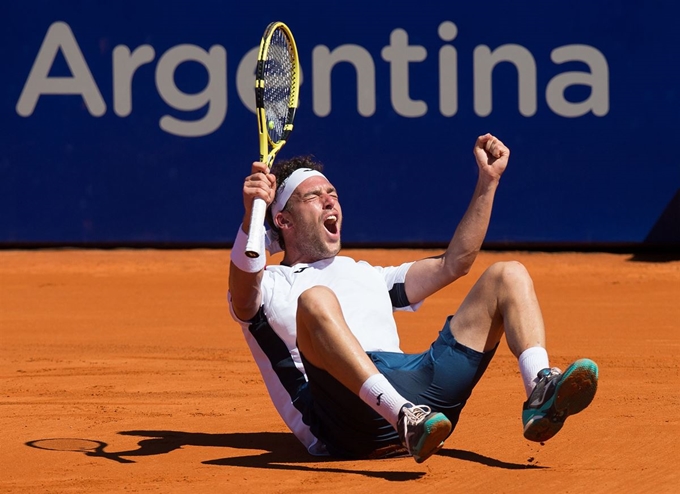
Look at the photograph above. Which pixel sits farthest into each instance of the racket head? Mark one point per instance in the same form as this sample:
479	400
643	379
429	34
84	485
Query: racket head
277	88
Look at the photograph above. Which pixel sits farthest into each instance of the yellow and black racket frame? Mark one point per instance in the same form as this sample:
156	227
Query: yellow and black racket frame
266	155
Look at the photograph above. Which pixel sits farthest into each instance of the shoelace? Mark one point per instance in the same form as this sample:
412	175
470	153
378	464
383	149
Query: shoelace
414	416
555	370
538	396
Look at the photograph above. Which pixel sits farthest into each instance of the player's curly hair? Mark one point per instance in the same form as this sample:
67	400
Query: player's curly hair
282	170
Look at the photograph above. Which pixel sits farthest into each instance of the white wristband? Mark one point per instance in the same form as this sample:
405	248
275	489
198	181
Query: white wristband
239	257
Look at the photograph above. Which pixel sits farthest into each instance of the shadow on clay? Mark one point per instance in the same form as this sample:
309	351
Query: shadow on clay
281	451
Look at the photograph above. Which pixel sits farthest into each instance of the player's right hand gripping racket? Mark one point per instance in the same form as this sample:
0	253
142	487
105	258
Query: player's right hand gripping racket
277	85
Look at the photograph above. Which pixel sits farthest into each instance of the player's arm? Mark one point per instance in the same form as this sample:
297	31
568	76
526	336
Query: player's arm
244	286
427	276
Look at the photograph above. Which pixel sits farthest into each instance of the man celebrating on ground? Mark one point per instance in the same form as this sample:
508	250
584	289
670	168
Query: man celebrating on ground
321	326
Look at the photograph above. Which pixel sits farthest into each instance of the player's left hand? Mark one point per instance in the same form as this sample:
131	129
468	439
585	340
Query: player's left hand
491	155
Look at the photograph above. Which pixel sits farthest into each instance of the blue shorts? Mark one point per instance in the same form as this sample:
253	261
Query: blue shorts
441	377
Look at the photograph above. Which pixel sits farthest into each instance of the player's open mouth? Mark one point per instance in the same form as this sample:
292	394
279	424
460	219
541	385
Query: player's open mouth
331	224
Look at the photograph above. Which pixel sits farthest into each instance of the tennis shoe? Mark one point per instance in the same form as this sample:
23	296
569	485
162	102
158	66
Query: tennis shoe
558	395
422	431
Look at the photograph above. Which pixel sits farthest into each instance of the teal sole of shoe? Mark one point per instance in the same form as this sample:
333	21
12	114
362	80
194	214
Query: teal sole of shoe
577	389
438	429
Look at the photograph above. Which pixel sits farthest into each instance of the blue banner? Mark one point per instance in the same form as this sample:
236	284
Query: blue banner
133	122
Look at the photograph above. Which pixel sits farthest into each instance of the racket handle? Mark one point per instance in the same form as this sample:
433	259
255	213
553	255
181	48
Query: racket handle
255	245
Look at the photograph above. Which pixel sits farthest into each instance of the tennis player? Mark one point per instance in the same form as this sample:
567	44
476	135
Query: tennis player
321	328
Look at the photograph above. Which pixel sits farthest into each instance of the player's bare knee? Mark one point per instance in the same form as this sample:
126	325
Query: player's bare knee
314	301
510	274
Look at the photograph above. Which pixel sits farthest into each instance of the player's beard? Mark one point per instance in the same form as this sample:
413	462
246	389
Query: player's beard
315	246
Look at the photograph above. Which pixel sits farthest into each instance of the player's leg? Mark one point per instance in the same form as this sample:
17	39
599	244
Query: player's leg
504	301
326	342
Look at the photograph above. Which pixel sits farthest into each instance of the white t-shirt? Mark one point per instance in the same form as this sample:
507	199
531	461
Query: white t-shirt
367	294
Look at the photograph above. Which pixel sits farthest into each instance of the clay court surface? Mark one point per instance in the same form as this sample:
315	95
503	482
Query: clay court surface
122	371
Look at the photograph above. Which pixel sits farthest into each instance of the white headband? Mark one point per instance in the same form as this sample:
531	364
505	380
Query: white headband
288	187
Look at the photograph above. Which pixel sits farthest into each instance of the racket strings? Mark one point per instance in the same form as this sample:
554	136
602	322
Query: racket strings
278	83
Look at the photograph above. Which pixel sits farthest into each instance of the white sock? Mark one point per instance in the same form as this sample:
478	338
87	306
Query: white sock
380	395
531	361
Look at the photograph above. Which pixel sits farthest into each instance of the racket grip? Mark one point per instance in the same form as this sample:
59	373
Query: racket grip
255	245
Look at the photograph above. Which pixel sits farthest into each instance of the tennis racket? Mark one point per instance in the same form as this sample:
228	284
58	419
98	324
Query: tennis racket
276	98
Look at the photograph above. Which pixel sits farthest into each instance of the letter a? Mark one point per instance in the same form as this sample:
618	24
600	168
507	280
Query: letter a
60	37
